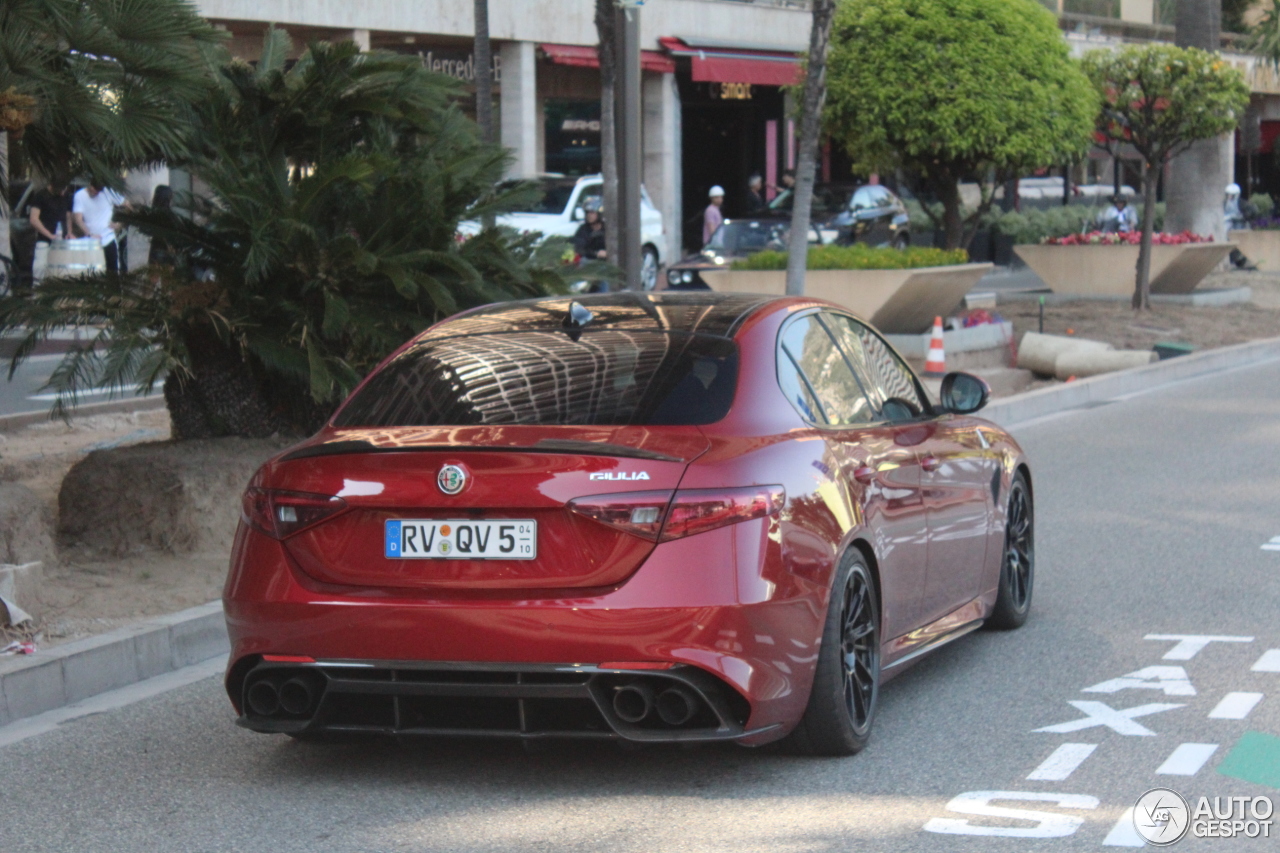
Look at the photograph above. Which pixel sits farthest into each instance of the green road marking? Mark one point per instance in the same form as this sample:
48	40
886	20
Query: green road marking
1254	758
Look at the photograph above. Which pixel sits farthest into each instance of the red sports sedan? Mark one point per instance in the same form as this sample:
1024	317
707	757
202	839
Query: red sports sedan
653	517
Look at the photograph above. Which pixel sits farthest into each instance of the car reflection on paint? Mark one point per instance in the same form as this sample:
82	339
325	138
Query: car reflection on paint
678	517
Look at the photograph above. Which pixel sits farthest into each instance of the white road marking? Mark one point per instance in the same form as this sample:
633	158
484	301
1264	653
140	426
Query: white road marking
1270	547
1269	662
1048	824
1062	762
1118	720
1124	833
1235	706
1187	759
1189	645
1172	680
110	701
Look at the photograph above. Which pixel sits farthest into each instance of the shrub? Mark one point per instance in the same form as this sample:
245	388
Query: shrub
859	257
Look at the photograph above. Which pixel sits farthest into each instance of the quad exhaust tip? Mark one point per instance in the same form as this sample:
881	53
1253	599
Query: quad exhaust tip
676	706
295	696
633	702
264	698
282	697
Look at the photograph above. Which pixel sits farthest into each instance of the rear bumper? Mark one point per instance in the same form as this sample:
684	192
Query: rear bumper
505	701
733	624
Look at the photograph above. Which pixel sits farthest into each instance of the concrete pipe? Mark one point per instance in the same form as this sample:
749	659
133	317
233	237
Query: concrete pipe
1091	362
1040	353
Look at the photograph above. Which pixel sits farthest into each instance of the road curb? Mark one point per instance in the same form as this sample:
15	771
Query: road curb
1108	386
84	668
133	404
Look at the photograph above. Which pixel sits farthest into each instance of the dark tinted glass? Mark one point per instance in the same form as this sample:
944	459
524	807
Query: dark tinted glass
546	378
746	236
555	195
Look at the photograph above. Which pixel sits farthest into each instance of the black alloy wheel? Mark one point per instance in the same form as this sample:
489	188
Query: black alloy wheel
846	679
859	651
1017	570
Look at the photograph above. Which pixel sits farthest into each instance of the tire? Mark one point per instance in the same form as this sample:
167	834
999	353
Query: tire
1018	564
842	704
649	268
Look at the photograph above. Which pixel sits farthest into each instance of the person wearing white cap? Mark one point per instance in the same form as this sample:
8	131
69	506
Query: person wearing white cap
712	219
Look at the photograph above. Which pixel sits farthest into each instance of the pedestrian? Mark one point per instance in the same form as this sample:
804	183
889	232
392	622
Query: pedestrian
93	213
589	241
712	218
51	219
755	195
1119	217
159	252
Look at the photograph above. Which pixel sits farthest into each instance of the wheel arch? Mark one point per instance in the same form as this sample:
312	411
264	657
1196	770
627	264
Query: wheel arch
868	553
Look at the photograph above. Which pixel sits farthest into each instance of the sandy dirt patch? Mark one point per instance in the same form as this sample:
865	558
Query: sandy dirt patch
1204	328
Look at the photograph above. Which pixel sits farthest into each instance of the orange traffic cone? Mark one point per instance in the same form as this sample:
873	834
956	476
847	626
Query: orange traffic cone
936	364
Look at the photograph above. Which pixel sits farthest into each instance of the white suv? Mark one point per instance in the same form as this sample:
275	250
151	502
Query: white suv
559	213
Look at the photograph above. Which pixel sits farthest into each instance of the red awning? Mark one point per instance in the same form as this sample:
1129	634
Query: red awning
729	65
587	57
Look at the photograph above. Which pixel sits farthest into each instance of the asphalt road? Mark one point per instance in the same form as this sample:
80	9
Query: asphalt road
26	391
1152	516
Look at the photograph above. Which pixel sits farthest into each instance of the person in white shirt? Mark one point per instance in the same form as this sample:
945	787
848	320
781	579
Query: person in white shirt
1118	217
93	214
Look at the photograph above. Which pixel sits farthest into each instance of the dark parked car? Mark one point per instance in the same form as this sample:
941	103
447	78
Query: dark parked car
735	239
853	213
638	516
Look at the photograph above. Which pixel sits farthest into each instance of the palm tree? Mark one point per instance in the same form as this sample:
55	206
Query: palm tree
101	81
328	235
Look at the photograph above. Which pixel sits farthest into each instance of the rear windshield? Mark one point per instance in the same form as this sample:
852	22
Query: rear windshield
604	378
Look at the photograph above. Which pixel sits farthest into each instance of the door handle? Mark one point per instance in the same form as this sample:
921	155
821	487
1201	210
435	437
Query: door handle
931	463
864	475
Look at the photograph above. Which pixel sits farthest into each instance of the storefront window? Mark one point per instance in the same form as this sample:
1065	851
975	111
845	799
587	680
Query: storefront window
573	136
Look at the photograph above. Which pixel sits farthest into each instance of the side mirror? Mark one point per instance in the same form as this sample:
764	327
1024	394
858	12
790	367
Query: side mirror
963	394
577	215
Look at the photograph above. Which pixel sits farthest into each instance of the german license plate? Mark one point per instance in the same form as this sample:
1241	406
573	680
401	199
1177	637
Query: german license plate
461	539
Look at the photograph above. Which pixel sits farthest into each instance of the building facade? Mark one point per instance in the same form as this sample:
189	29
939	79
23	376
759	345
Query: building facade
714	73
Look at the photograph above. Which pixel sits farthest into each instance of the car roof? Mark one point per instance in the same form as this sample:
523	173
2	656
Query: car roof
701	312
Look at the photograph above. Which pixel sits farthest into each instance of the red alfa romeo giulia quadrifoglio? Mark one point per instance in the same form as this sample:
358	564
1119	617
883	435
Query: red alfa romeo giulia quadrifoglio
654	517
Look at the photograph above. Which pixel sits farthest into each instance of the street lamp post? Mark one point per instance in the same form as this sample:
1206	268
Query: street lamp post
628	115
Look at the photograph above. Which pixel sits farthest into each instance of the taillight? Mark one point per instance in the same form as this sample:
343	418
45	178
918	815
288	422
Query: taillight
698	510
660	516
638	513
281	514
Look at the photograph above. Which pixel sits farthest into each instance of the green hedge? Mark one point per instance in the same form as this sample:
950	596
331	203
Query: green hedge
859	257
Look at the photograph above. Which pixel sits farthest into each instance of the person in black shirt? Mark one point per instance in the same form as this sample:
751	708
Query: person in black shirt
51	219
51	211
589	241
755	195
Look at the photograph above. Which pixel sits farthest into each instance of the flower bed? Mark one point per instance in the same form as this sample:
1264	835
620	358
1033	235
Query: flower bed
1133	238
859	257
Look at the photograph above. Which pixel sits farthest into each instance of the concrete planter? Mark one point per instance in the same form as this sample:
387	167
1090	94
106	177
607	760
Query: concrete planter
1110	270
1261	247
895	301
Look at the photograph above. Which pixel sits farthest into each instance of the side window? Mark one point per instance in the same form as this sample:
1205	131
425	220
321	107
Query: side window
846	331
892	379
883	198
796	389
807	345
